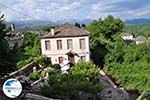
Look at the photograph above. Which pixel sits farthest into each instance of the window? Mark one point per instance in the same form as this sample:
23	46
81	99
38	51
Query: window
61	59
71	58
83	58
82	43
59	44
69	44
48	61
47	45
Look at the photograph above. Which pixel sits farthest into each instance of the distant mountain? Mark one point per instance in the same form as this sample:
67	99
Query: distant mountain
36	24
73	21
30	23
86	21
138	21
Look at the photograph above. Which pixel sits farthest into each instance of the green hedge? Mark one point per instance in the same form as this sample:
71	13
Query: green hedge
56	66
34	76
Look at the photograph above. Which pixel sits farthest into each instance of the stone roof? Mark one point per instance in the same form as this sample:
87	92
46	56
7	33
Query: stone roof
140	38
126	34
67	30
23	30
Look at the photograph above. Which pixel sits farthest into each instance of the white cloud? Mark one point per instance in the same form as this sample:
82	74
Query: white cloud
101	5
67	9
42	10
70	6
140	12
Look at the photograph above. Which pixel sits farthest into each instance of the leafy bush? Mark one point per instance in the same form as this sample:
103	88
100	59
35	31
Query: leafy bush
34	76
56	66
30	50
67	87
85	69
24	62
146	96
129	64
46	70
40	60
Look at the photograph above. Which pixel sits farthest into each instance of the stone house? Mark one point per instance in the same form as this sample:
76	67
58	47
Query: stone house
140	39
127	36
16	35
66	42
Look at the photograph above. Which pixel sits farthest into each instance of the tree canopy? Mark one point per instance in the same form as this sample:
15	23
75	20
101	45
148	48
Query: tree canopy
68	86
31	48
102	33
8	56
129	64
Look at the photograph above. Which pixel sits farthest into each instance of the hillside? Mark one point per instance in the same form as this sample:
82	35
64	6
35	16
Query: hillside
139	29
137	21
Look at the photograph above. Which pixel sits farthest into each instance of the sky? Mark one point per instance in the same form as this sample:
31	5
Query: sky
55	10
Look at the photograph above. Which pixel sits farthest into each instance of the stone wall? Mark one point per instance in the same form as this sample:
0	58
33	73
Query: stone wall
30	96
25	70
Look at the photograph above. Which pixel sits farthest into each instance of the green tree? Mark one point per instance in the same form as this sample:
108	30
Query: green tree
67	86
31	44
129	64
77	25
102	33
30	49
8	56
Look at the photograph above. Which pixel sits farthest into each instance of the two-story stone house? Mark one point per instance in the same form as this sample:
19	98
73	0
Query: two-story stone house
66	42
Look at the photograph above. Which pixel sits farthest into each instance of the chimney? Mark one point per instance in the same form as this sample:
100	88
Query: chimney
12	27
52	31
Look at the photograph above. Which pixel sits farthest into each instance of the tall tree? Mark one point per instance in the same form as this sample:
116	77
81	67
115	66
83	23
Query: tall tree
7	55
102	33
31	44
77	25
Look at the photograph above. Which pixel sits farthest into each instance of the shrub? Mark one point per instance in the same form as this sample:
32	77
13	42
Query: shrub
85	69
56	66
47	70
24	62
146	96
34	76
41	60
67	86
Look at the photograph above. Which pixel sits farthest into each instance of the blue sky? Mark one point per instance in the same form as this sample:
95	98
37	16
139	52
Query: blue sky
74	9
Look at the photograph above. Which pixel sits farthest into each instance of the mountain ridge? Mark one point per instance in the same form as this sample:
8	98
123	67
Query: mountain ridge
36	23
137	21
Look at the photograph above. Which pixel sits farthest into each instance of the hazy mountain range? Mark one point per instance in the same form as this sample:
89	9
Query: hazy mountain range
138	21
40	23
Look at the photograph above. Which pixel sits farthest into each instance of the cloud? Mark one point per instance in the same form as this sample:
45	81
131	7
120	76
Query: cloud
74	9
124	9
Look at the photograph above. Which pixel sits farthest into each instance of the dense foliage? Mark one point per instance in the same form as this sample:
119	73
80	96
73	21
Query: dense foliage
102	33
8	56
30	50
141	29
85	69
31	44
67	86
34	76
129	64
41	60
55	66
